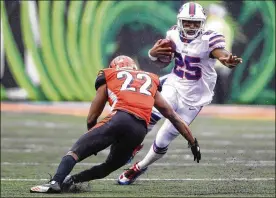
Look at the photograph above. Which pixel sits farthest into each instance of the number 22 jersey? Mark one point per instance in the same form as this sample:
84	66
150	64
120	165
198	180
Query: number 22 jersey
132	91
193	75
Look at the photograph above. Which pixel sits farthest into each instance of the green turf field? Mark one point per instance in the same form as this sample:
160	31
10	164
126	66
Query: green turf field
238	159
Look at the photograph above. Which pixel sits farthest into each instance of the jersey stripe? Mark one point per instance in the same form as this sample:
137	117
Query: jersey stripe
216	41
155	117
192	8
215	37
163	79
103	121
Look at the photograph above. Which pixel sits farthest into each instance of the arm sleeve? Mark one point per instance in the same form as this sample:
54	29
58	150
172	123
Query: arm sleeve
159	87
159	84
100	80
216	41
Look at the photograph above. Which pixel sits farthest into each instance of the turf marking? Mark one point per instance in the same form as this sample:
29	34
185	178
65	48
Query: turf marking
227	163
158	179
234	142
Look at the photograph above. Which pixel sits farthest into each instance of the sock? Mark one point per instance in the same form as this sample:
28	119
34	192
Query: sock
153	155
96	172
65	167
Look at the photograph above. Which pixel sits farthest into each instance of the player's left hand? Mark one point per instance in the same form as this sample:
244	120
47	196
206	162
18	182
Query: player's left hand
230	61
196	151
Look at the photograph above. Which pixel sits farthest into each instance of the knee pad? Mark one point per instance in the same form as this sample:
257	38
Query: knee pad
159	150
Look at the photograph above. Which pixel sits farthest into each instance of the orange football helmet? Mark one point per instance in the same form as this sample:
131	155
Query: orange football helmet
123	62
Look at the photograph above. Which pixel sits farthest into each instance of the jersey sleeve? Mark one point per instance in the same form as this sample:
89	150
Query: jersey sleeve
159	86
216	41
157	81
101	80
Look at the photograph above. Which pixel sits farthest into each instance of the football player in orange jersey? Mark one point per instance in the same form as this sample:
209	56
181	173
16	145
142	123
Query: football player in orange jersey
132	94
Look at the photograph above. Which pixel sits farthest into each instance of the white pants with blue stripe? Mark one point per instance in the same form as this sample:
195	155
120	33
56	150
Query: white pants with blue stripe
167	132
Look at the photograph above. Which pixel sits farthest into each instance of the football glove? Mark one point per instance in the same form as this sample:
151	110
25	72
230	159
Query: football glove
195	150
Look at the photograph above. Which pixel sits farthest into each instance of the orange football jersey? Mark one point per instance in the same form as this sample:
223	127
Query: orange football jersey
130	90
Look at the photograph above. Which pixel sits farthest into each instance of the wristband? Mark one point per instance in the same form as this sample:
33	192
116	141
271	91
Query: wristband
151	57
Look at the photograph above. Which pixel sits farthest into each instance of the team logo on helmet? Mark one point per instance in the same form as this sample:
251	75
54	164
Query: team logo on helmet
123	62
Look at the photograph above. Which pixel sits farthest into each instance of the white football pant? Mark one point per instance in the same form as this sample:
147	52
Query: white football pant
168	132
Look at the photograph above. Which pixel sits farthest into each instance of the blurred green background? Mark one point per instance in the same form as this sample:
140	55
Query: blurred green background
52	50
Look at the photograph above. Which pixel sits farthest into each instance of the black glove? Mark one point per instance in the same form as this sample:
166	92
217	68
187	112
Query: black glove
196	151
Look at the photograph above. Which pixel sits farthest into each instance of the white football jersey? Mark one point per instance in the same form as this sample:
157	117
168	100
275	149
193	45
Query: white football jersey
194	75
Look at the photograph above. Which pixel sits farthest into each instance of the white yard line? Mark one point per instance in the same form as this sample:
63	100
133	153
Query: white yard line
234	142
227	163
258	136
34	148
158	179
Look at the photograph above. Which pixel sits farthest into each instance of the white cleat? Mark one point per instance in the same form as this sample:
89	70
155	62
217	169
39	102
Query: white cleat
51	187
130	175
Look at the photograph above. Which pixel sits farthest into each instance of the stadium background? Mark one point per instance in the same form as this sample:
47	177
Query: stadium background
52	50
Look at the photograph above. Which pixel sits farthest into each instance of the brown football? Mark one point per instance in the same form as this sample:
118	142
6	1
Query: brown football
167	59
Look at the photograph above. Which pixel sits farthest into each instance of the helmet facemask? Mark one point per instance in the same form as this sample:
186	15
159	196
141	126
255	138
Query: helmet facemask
187	32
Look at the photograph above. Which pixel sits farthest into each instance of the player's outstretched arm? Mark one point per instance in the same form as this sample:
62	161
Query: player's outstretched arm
97	106
226	58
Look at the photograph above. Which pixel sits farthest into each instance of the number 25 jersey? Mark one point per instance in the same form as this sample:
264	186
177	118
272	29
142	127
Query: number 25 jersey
132	91
194	75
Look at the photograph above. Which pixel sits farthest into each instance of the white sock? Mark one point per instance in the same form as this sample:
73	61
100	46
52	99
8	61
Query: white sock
150	158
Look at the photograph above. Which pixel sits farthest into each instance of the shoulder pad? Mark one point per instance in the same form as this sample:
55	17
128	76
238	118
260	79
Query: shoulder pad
208	32
100	80
174	27
172	34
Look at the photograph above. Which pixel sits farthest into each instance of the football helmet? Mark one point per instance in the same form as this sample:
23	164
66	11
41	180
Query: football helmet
191	12
123	62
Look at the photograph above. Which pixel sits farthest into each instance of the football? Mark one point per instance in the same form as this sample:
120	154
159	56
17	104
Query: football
166	60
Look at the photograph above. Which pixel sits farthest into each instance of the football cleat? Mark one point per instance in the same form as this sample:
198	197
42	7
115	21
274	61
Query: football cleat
130	175
67	183
136	150
51	187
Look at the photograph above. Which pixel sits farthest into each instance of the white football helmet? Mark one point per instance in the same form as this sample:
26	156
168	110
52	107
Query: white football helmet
191	12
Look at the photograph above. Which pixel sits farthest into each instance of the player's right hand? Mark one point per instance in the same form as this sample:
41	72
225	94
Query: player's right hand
196	151
160	48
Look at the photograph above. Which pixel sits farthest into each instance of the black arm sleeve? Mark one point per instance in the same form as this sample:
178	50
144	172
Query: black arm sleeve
159	87
100	80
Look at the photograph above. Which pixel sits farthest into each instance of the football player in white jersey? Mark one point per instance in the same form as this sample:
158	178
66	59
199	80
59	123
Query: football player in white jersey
190	85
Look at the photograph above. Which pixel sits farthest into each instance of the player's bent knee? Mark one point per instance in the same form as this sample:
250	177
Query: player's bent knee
158	149
74	155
